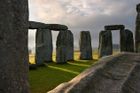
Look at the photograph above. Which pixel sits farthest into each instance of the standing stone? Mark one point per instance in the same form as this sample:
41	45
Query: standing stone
122	40
13	46
105	43
61	47
85	46
127	42
137	33
44	46
70	45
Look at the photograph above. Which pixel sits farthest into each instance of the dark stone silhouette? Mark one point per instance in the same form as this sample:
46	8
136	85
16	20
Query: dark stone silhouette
61	47
85	46
36	25
114	27
70	45
13	46
122	34
44	46
137	33
114	74
128	42
105	43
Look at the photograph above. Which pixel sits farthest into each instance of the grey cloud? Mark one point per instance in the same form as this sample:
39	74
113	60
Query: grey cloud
80	15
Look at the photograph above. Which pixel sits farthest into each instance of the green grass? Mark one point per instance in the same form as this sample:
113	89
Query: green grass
48	77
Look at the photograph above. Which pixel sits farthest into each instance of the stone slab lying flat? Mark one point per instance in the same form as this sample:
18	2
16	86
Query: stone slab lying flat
114	27
112	74
56	27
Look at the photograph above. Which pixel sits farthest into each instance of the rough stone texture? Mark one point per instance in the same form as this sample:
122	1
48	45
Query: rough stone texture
137	33
105	43
114	74
13	46
127	42
36	25
61	47
114	27
70	45
44	46
85	46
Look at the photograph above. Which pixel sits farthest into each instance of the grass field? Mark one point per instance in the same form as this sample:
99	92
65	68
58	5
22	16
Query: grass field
48	77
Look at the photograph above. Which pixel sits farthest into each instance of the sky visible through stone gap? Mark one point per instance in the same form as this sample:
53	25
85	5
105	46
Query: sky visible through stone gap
83	15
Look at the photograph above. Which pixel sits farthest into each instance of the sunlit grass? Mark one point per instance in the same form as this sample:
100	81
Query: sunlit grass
32	59
48	77
76	57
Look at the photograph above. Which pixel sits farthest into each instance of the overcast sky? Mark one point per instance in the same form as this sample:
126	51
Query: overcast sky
83	15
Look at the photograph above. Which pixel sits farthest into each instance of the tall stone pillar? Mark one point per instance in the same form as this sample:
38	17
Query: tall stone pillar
14	46
137	33
105	43
122	40
129	41
44	46
85	46
70	45
61	47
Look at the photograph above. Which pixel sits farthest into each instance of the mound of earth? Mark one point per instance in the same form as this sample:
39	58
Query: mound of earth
113	74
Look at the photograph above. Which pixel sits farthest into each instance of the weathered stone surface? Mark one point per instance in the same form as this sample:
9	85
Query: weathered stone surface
61	47
114	74
85	46
13	46
105	43
126	41
137	33
36	25
70	45
114	27
44	46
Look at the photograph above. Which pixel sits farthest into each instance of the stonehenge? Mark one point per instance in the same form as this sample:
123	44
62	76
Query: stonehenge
126	40
113	74
44	47
122	37
14	46
85	46
137	32
105	43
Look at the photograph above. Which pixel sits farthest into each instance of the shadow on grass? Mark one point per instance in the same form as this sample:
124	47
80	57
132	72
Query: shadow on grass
48	77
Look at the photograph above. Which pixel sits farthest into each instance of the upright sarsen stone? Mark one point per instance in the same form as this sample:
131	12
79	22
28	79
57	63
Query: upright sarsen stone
85	46
44	46
105	43
137	33
13	46
127	42
70	45
61	47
